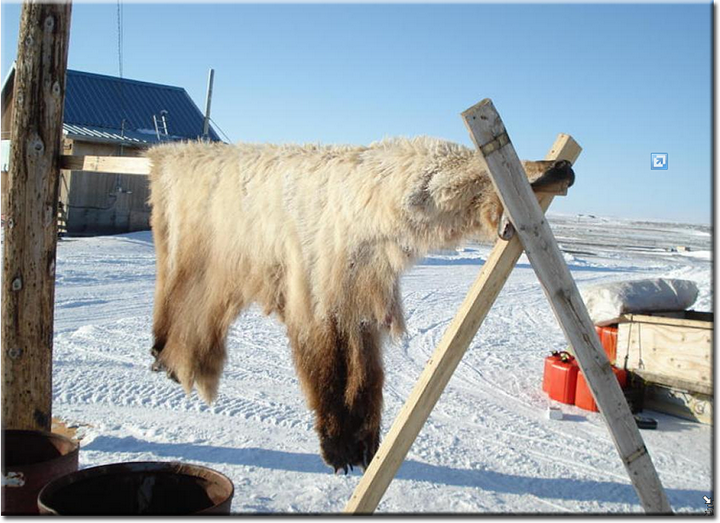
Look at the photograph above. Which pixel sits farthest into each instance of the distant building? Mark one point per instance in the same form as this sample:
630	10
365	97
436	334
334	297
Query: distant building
109	116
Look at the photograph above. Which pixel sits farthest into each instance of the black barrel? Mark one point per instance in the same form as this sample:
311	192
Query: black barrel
31	459
139	488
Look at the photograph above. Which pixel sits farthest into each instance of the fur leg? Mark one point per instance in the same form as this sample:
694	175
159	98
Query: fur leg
348	428
506	230
560	173
191	327
195	351
161	313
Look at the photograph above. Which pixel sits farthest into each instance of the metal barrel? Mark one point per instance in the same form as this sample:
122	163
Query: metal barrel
31	459
139	488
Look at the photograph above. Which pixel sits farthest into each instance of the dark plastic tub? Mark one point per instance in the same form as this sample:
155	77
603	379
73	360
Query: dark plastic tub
31	459
140	488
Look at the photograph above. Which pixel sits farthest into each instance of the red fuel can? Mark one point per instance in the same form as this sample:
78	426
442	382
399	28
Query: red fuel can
560	377
584	398
608	338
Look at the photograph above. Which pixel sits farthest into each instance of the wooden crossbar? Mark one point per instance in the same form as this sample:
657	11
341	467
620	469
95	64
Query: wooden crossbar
491	139
106	164
141	166
447	356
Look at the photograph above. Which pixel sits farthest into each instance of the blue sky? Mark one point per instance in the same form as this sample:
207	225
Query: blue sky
624	80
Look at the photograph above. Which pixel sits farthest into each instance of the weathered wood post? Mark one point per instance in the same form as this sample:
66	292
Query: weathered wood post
491	139
28	286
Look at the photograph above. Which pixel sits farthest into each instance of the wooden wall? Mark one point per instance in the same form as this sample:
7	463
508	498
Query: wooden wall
6	113
6	109
96	203
3	196
100	203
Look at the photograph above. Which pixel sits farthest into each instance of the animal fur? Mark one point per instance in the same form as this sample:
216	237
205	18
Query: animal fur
318	235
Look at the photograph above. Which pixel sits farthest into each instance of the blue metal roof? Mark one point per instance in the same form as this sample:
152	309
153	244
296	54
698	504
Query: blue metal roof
95	106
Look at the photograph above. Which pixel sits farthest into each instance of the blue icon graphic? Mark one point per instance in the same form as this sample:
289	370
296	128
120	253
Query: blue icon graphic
658	161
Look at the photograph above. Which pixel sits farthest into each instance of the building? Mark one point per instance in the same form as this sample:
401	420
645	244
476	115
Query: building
109	116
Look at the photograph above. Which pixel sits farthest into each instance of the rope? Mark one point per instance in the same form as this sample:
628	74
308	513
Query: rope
219	129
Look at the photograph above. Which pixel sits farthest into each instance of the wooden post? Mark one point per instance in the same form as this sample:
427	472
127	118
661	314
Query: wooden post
445	359
28	286
488	132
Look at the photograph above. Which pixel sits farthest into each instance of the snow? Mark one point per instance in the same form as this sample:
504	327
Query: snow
488	446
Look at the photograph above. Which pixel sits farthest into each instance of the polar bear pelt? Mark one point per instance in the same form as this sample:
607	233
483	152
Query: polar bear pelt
318	235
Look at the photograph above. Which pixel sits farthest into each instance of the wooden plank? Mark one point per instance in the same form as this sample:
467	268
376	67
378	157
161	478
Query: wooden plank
661	319
141	166
693	406
28	283
490	137
564	148
675	383
106	164
675	351
447	355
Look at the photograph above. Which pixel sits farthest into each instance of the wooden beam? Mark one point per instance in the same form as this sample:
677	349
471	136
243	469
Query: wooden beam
28	286
106	164
488	132
447	355
674	382
706	323
141	166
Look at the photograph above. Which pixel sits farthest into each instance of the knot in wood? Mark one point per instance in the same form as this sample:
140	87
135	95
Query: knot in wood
17	284
14	353
56	88
38	146
11	223
49	23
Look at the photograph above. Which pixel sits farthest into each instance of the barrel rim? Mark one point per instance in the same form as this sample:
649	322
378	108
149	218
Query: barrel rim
69	455
177	467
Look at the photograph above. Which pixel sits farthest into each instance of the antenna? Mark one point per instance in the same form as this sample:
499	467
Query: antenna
208	99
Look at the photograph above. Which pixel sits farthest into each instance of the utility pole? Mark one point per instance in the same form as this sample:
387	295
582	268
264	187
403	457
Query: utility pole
208	100
31	198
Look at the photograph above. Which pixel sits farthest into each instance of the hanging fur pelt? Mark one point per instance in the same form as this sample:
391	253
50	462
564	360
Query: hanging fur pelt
318	235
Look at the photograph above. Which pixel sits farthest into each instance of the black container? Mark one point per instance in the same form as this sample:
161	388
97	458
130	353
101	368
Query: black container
31	459
139	488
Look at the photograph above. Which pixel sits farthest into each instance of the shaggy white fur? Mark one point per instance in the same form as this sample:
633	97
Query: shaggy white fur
318	235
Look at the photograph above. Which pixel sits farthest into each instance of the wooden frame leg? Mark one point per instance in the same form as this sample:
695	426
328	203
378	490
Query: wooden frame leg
446	357
488	132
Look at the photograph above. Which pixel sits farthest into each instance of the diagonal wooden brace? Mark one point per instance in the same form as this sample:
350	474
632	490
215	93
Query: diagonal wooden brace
488	132
447	356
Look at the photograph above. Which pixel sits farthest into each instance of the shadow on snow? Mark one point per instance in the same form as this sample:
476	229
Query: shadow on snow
501	482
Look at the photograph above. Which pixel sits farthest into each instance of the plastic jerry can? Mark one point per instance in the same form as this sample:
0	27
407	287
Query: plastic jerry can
583	396
560	377
608	338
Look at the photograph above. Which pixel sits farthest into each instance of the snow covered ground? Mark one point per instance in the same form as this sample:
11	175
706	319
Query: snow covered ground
487	447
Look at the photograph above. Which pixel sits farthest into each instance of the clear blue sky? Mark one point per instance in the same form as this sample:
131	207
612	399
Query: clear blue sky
624	80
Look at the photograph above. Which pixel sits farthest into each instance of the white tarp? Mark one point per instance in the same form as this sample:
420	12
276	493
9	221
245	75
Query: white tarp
607	301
